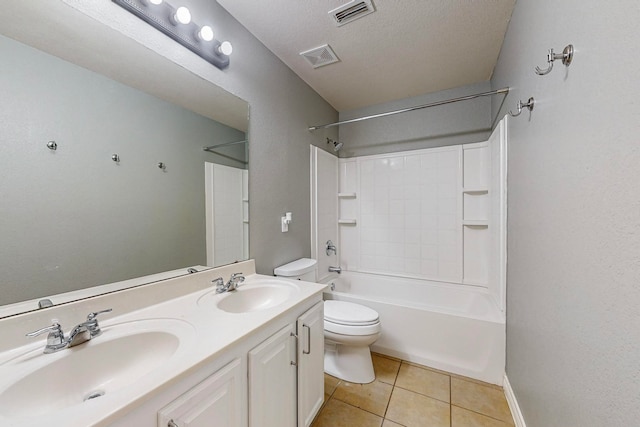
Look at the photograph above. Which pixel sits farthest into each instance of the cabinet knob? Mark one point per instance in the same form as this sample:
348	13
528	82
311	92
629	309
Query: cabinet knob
172	424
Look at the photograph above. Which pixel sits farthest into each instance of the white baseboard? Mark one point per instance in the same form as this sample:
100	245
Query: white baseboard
518	419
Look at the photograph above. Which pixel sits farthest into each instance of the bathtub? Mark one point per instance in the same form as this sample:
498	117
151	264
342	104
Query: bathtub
451	327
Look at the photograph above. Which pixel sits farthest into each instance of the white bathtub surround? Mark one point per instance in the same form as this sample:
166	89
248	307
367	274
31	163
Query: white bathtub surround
444	326
324	186
434	214
422	239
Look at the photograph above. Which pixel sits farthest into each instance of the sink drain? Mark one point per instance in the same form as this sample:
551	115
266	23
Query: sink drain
93	395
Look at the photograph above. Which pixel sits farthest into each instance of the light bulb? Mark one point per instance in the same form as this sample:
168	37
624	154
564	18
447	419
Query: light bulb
226	48
156	2
205	33
182	15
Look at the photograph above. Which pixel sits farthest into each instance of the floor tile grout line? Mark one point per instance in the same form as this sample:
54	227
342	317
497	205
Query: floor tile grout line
425	395
357	407
450	404
480	413
393	387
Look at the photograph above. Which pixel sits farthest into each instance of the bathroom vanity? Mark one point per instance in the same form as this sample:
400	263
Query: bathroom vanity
173	353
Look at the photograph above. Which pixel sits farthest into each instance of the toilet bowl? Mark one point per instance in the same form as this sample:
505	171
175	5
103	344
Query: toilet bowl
349	330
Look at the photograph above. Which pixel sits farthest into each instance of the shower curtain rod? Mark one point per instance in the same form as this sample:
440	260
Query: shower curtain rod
504	90
211	147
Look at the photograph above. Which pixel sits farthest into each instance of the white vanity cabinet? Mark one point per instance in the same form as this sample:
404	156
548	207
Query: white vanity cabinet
286	381
272	381
310	328
216	401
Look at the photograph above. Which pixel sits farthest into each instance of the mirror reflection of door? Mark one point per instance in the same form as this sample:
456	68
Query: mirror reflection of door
227	214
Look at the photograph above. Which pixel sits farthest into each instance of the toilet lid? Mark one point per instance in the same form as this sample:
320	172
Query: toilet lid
348	313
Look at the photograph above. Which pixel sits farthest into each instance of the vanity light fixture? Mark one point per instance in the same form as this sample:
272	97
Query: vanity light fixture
205	33
181	16
225	48
177	23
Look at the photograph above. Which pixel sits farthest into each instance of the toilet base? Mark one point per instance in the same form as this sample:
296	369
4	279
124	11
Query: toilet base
349	363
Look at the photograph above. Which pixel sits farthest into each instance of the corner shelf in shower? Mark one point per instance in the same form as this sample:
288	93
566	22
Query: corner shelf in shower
475	222
346	195
347	221
475	190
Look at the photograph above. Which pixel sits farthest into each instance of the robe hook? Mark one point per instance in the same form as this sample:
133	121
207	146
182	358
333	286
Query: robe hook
566	56
521	106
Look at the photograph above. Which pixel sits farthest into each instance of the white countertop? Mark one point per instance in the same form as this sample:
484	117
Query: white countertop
204	338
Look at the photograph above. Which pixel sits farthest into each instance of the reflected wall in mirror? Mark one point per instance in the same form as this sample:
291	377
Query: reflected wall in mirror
74	217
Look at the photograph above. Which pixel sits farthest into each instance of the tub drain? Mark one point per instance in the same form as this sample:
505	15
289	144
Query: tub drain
94	394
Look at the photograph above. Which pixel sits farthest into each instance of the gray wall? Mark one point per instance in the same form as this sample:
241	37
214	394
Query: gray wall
282	107
573	323
73	218
451	124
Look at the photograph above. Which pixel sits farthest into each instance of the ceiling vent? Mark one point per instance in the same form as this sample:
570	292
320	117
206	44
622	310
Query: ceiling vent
351	11
320	56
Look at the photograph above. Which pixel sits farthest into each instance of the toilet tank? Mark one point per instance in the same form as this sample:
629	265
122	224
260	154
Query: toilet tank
301	269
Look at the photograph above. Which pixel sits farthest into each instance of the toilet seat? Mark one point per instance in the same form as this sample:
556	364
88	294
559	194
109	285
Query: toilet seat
346	318
339	329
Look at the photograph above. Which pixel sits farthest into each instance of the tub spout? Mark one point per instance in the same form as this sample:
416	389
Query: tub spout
335	270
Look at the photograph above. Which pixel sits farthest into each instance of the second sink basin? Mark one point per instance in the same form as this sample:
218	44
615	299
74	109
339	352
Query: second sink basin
253	296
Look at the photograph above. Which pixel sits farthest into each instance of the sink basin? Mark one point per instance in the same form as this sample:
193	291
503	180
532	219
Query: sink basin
256	296
123	354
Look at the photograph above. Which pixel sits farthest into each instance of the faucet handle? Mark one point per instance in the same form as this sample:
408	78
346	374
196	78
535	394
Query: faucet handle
220	286
54	329
55	340
92	316
235	279
92	322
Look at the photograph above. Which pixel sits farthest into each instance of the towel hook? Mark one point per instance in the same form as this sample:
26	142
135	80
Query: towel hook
566	56
521	106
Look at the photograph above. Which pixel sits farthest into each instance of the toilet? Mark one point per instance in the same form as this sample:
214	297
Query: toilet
349	329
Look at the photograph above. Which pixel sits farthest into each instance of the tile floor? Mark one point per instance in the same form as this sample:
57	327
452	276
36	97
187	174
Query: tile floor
410	395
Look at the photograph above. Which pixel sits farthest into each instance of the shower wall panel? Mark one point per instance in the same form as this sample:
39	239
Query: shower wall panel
409	215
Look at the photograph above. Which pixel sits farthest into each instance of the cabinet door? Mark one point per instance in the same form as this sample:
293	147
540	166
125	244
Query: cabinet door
216	401
310	364
272	381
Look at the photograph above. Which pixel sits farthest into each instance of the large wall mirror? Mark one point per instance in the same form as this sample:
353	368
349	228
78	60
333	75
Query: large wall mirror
102	183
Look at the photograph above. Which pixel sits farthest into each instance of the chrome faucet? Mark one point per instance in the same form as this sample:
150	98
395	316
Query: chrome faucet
335	270
231	285
80	333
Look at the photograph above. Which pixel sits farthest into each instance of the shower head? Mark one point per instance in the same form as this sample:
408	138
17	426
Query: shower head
336	145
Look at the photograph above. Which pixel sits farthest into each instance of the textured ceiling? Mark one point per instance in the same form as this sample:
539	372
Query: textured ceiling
405	48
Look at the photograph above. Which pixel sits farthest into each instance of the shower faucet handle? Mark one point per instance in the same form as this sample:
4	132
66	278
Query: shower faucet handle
330	248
